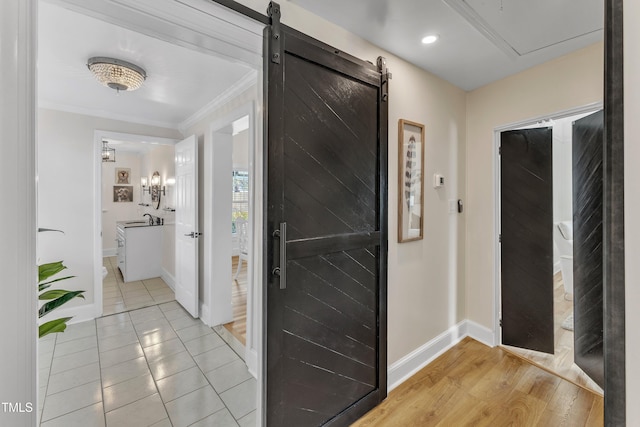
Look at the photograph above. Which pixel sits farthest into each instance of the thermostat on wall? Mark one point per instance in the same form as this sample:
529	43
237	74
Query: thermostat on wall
438	180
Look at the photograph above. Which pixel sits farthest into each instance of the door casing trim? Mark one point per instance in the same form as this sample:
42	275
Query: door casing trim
592	107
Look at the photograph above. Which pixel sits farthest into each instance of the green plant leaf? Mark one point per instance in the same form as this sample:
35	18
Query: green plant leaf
52	294
52	305
53	326
47	270
43	286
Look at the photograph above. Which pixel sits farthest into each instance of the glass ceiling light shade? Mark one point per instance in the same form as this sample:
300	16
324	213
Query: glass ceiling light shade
108	154
116	74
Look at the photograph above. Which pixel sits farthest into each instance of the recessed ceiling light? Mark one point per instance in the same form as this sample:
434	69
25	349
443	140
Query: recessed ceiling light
430	39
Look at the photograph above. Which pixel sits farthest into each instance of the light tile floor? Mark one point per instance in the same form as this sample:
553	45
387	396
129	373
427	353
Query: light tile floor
118	296
155	366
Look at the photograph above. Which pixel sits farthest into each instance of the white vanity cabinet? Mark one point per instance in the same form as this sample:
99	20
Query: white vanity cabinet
139	251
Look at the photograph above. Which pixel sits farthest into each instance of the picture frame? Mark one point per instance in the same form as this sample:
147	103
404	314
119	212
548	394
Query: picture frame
122	193
410	181
123	176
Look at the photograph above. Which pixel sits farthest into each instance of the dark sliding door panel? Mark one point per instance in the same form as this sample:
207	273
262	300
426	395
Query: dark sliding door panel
326	233
527	243
588	150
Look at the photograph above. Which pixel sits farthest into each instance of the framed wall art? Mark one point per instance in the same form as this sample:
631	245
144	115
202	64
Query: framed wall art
122	193
123	176
410	180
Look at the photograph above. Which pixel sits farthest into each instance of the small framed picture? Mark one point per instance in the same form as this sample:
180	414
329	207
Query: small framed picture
122	193
410	180
123	176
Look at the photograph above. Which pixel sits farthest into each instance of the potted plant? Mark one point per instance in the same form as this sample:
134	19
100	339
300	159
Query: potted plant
54	297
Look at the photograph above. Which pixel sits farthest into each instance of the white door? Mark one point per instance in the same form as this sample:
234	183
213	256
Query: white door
187	224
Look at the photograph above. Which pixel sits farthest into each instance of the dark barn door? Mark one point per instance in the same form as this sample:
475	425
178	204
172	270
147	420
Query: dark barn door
326	237
527	240
588	151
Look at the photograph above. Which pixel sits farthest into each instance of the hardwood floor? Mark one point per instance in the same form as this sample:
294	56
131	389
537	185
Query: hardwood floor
561	362
475	385
238	327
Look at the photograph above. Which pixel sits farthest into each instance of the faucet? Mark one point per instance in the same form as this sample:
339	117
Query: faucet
150	218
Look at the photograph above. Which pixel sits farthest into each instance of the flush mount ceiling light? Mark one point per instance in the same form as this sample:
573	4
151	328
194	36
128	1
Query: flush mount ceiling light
430	39
117	74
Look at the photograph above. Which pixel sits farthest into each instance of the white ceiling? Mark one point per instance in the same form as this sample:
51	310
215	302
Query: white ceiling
180	83
480	40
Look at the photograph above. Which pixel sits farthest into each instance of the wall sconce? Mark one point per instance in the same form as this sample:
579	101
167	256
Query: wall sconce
144	182
155	182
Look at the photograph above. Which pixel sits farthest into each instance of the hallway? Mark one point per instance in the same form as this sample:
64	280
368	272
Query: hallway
156	366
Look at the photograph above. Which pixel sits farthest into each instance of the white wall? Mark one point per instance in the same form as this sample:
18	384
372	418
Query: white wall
632	204
426	277
66	189
18	370
567	82
202	132
241	150
562	169
161	158
118	211
158	158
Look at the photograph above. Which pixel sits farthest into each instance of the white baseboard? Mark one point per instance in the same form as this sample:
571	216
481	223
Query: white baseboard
205	316
480	333
251	359
169	279
78	314
404	368
109	252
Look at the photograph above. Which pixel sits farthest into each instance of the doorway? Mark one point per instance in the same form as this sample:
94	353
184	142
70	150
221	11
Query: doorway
163	321
136	159
542	193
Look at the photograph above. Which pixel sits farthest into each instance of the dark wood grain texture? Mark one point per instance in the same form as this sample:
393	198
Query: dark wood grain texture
614	240
326	179
588	305
527	245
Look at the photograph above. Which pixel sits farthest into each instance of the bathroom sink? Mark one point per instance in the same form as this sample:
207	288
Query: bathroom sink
137	222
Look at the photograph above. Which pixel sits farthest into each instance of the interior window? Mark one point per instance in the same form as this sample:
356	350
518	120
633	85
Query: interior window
240	197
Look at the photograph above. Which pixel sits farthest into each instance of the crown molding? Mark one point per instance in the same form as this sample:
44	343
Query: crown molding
106	115
248	80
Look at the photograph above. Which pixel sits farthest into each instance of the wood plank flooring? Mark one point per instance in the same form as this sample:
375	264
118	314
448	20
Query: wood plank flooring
238	327
560	363
475	385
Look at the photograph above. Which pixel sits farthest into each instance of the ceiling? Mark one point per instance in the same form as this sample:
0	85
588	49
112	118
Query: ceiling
481	41
180	82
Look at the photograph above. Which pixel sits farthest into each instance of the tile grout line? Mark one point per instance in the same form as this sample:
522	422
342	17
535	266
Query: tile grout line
137	334
44	399
155	384
204	374
104	412
150	373
62	391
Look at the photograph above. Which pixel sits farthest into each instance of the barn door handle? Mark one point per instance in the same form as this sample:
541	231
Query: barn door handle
282	270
